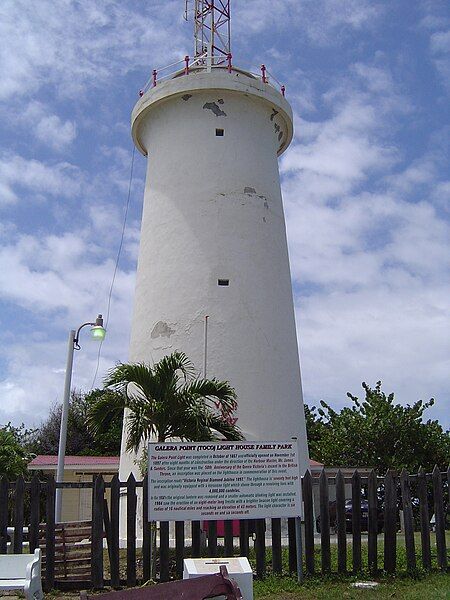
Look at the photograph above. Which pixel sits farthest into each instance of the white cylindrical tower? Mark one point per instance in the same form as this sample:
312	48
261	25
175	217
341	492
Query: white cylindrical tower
213	243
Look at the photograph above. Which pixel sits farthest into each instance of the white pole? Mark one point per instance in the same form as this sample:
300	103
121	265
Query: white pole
205	347
63	429
298	529
299	549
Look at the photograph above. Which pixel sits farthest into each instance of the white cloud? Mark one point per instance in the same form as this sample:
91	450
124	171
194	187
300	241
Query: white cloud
369	266
48	128
18	173
60	284
56	272
70	45
320	20
440	42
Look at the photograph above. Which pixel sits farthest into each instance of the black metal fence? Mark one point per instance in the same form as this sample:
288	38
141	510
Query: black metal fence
360	532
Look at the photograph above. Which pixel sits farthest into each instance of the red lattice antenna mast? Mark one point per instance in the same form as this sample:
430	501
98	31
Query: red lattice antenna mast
211	31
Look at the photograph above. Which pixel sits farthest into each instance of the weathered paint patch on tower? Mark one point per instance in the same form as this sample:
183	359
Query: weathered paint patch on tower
162	329
212	106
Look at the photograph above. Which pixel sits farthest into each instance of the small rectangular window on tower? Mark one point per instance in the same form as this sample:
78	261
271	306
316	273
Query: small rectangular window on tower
219	132
223	282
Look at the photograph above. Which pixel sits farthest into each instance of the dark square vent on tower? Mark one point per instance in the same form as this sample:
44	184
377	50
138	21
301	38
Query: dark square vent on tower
219	132
223	282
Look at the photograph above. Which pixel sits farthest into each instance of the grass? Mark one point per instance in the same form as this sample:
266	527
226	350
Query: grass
420	584
435	586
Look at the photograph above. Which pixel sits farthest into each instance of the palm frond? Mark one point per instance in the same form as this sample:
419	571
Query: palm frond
168	366
107	408
217	391
163	401
226	429
140	375
139	427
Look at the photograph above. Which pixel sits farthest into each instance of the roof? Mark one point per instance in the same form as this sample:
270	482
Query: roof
43	461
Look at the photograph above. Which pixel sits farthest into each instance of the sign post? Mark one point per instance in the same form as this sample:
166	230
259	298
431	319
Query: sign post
298	535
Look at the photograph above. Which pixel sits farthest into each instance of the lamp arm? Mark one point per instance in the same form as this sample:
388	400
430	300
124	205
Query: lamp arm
76	345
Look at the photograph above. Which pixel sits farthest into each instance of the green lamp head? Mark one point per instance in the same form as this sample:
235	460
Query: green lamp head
98	332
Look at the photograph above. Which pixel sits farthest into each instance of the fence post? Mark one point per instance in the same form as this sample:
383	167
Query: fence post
356	521
164	551
195	535
179	547
107	527
422	493
18	515
309	522
324	523
114	525
146	533
260	547
409	520
212	539
50	534
228	539
341	525
243	537
292	550
373	522
4	485
440	519
35	492
277	563
390	523
97	532
131	530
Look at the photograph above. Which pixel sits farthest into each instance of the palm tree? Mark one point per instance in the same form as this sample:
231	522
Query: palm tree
166	401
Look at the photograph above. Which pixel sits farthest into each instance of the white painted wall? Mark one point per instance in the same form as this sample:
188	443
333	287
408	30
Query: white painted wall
213	209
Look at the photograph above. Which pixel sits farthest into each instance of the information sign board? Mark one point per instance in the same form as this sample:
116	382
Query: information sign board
223	480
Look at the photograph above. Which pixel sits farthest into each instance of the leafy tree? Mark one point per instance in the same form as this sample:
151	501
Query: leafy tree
166	401
14	457
377	432
80	439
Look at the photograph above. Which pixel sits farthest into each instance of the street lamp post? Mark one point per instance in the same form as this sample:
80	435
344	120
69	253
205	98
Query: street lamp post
98	333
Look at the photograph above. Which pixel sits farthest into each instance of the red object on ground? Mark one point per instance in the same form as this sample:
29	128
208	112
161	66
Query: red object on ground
198	588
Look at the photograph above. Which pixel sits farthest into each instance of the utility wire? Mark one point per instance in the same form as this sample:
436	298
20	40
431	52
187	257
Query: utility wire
119	252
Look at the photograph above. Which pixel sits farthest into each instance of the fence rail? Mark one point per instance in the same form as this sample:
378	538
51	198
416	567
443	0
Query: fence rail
362	504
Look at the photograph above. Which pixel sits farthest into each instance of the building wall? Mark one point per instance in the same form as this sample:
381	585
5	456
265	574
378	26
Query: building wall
77	503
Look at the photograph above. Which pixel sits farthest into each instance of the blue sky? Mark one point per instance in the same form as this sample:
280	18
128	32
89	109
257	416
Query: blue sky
365	183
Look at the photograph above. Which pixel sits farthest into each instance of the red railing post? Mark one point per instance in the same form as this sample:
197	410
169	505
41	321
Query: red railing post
263	73
186	68
154	77
229	57
283	89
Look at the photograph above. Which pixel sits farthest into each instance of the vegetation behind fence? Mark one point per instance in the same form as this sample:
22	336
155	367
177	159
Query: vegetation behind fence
419	497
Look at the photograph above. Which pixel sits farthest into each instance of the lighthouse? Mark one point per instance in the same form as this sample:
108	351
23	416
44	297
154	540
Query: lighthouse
213	276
